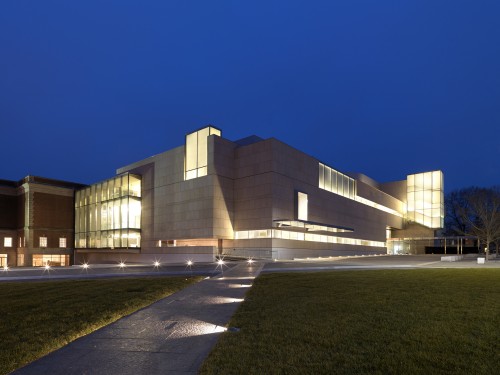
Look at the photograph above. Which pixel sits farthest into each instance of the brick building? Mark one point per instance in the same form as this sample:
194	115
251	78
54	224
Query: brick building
37	221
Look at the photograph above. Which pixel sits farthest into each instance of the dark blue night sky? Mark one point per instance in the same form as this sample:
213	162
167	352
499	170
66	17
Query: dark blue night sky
385	88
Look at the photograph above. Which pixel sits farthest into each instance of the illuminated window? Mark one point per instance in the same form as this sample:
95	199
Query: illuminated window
3	260
336	182
298	236
41	260
110	214
7	242
425	197
62	242
196	154
302	206
43	241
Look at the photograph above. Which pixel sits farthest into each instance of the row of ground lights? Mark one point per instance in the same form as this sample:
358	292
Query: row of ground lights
122	264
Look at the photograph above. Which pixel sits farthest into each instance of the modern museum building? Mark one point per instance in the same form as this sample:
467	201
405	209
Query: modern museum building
209	197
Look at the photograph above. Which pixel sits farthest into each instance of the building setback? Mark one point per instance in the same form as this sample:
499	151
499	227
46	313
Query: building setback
211	196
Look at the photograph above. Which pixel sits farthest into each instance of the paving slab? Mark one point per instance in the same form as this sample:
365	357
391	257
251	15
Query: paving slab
171	336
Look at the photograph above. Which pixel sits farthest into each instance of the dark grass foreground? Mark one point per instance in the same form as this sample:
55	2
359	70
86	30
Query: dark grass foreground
39	317
365	322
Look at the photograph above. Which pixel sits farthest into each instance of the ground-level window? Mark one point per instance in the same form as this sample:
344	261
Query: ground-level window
7	242
62	242
3	260
43	241
40	260
20	260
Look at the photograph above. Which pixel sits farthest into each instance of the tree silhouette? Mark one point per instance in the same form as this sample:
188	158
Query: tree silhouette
474	211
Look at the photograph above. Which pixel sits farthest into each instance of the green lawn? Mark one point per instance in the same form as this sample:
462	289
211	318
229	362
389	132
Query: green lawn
38	317
444	321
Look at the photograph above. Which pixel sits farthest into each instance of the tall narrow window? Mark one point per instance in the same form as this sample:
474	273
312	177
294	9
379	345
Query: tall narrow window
62	242
302	204
3	260
196	154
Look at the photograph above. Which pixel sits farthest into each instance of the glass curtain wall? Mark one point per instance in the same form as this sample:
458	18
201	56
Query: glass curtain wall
336	182
196	161
108	214
425	194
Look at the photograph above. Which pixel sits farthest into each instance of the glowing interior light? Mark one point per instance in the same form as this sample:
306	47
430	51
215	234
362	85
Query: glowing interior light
425	199
122	265
85	265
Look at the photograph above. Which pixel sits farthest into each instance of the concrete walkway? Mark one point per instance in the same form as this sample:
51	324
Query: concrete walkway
171	336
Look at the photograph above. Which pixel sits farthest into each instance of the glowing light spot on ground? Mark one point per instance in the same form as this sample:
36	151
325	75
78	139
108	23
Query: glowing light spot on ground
239	286
195	328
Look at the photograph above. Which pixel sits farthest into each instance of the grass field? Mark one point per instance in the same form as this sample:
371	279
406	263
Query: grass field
38	317
365	322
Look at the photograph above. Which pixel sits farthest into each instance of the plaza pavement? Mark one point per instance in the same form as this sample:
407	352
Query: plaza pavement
175	334
376	262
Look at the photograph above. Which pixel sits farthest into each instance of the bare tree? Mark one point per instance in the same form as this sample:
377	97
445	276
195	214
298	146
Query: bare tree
454	223
475	211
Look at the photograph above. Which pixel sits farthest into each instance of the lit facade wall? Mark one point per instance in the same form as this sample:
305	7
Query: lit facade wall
108	214
272	179
196	159
425	195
